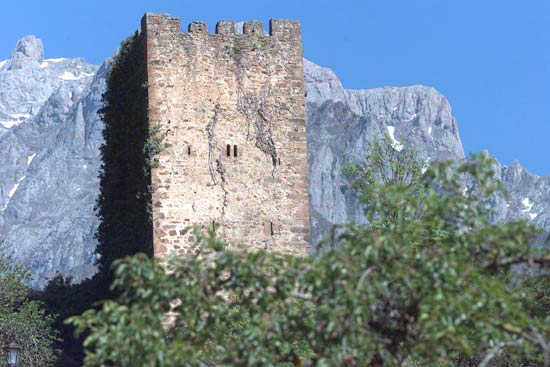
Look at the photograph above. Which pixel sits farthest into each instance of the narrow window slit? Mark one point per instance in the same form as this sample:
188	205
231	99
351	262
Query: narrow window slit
228	150
235	151
189	150
268	228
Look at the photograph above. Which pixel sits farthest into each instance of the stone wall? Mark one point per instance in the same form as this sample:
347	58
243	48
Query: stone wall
231	108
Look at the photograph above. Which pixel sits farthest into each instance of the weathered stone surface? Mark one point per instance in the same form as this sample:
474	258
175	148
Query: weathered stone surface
28	52
225	27
217	99
528	199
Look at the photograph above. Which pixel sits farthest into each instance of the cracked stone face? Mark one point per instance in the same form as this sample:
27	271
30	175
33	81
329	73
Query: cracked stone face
238	102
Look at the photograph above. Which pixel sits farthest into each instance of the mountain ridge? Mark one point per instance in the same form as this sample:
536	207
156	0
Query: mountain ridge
51	134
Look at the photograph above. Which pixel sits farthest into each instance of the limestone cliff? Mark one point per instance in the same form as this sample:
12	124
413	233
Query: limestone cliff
340	121
50	136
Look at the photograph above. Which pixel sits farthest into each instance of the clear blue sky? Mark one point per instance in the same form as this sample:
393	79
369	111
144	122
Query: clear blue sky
491	58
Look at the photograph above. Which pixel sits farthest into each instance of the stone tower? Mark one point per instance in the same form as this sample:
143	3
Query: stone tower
231	108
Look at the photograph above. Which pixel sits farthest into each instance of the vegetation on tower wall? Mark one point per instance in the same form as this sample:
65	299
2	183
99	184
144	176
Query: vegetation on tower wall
124	203
23	319
125	187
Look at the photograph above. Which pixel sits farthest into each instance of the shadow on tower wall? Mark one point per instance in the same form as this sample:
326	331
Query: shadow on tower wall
124	202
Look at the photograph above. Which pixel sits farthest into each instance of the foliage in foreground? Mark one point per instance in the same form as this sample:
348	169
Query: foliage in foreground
429	282
23	319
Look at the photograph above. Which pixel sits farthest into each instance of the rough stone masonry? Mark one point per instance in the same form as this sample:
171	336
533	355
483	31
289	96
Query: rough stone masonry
231	109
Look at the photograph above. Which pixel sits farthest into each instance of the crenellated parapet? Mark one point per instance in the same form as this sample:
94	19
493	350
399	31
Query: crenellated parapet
281	29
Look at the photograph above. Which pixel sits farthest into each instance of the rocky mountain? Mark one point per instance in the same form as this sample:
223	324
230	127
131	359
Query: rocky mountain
340	121
50	136
49	152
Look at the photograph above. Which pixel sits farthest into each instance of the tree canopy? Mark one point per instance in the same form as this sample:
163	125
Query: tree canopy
22	319
428	282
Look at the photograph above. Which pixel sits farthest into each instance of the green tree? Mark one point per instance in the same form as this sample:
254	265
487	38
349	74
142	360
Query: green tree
428	282
22	319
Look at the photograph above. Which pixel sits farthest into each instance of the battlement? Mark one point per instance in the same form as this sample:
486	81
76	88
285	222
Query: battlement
280	29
